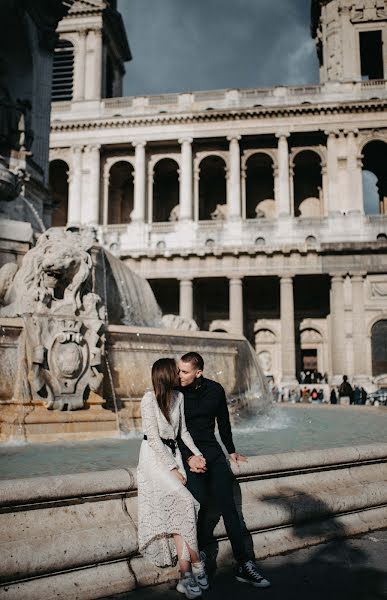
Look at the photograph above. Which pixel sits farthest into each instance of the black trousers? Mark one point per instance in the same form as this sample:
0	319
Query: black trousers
215	489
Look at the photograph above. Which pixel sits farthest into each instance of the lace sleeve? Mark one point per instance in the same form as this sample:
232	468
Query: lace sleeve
183	431
151	430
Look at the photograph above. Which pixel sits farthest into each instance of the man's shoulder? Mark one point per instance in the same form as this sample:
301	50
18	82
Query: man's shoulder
213	385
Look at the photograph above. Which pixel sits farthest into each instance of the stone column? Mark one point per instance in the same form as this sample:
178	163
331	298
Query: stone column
337	328
80	64
288	348
106	181
359	338
150	191
138	213
75	187
283	176
196	190
355	204
186	207
186	299
93	75
234	189
90	208
236	305
332	203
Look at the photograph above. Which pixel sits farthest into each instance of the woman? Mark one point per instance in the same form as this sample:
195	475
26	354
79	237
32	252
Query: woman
167	512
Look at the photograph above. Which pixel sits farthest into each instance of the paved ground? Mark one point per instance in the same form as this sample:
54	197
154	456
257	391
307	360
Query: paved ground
351	569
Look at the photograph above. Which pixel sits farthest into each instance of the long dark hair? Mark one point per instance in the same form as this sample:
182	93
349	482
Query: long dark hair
164	376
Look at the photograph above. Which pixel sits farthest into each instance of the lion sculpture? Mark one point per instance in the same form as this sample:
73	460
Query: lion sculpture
51	276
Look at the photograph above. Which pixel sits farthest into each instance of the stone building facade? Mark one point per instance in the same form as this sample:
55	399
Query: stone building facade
255	211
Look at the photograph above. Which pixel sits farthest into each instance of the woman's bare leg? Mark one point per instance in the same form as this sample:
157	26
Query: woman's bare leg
184	565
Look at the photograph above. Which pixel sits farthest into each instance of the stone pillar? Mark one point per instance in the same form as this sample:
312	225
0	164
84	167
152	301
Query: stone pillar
138	213
288	348
196	190
234	188
331	195
93	74
283	185
359	337
90	207
106	181
355	200
186	299
75	187
150	191
337	328
80	67
186	206
236	305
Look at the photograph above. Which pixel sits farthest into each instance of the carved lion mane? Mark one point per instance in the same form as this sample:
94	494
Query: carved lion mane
54	270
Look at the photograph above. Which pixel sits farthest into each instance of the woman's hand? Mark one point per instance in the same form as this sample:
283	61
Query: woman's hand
176	473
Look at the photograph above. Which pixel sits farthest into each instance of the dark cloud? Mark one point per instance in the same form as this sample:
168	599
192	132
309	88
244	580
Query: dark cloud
182	45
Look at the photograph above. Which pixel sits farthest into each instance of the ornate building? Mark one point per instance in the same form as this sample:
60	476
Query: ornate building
256	211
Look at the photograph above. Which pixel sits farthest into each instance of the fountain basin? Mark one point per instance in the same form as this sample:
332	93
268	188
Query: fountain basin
129	353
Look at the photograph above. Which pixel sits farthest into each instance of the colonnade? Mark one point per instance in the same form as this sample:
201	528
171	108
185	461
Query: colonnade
341	183
339	346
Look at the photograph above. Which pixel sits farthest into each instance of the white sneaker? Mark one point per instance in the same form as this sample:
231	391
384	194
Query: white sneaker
188	586
200	575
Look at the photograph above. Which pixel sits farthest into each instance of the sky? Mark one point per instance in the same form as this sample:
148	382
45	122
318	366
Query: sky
186	45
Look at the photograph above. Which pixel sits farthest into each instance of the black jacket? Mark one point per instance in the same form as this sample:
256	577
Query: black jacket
205	402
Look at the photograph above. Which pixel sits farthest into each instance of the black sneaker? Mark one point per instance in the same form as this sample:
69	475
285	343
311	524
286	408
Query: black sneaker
247	573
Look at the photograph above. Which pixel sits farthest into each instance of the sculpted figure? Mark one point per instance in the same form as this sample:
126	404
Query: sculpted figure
175	213
62	344
51	274
220	212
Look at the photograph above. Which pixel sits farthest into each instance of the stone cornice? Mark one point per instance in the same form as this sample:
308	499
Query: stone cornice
221	115
325	249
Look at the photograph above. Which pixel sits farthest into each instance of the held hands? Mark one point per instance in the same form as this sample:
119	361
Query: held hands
176	473
197	464
237	458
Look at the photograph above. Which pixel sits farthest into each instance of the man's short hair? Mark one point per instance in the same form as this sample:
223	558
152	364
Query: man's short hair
195	359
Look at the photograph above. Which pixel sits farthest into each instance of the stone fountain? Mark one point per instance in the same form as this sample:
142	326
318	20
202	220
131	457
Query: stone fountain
79	332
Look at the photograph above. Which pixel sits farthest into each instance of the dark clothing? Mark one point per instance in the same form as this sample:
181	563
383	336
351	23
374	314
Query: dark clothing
333	397
217	484
345	389
357	395
205	402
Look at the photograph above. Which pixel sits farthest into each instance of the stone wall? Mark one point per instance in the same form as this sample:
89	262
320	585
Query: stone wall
74	536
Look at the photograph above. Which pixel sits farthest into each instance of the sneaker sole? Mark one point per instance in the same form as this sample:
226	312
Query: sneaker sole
183	590
204	588
253	583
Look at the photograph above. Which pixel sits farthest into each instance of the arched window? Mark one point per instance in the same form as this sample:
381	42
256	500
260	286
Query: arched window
121	192
165	190
379	348
212	186
307	184
63	71
259	187
59	189
375	178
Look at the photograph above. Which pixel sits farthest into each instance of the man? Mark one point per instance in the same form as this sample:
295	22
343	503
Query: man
205	402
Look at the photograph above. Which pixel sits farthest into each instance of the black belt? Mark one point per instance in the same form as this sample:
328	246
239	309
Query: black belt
168	442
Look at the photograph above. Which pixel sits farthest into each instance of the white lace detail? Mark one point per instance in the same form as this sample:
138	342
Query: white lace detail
165	506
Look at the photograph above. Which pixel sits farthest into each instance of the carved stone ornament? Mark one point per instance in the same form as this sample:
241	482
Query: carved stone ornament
379	289
62	344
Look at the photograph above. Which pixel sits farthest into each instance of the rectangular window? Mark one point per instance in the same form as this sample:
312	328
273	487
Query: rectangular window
371	55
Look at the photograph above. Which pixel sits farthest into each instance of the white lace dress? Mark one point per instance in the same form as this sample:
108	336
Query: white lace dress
165	506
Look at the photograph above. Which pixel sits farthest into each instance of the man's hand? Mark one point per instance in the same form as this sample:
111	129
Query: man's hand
237	458
197	464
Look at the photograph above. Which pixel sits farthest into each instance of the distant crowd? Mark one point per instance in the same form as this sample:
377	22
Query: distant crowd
314	388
